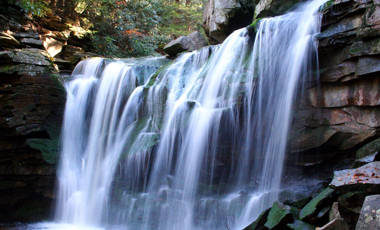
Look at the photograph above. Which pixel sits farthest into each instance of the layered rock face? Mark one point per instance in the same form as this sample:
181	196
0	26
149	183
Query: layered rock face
343	111
222	17
31	107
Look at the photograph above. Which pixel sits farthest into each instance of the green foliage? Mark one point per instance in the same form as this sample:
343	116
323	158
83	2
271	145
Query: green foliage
125	28
179	20
35	7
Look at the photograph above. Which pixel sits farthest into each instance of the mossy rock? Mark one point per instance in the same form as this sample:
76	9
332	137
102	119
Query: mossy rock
258	224
368	152
279	215
298	203
313	207
300	225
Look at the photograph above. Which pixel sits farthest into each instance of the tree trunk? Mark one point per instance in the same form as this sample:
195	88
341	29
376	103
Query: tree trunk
52	5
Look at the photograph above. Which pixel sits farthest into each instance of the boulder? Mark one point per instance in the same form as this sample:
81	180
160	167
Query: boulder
365	178
269	8
337	224
279	215
80	56
222	17
69	50
258	224
334	212
300	225
370	214
368	153
352	201
312	209
193	41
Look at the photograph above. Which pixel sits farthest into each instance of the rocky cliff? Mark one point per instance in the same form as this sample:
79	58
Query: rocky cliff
342	111
31	107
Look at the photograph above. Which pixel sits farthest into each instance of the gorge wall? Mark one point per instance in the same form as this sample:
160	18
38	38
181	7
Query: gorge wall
341	112
31	107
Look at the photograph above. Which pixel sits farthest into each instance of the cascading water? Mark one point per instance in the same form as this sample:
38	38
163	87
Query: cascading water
199	144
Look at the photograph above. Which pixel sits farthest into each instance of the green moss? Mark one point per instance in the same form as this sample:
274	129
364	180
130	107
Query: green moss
368	149
312	207
152	79
328	4
259	221
49	147
254	24
278	214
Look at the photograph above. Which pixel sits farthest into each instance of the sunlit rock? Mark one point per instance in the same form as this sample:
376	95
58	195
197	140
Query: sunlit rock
365	178
370	214
222	17
191	42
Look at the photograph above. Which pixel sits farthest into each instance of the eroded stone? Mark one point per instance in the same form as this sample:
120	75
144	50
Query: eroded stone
365	178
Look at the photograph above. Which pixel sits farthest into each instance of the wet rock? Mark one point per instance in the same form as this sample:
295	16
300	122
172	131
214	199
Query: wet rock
279	215
312	209
258	224
368	153
370	214
337	224
193	41
367	65
300	225
80	56
352	201
365	178
360	93
339	72
298	203
269	8
364	48
221	18
345	25
311	138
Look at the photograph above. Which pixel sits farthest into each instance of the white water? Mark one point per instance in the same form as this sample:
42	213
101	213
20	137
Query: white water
201	146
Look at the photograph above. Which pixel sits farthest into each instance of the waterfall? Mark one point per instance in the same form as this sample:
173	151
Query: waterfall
196	143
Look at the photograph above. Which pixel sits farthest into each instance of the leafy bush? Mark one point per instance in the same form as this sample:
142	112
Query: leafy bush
121	28
35	7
